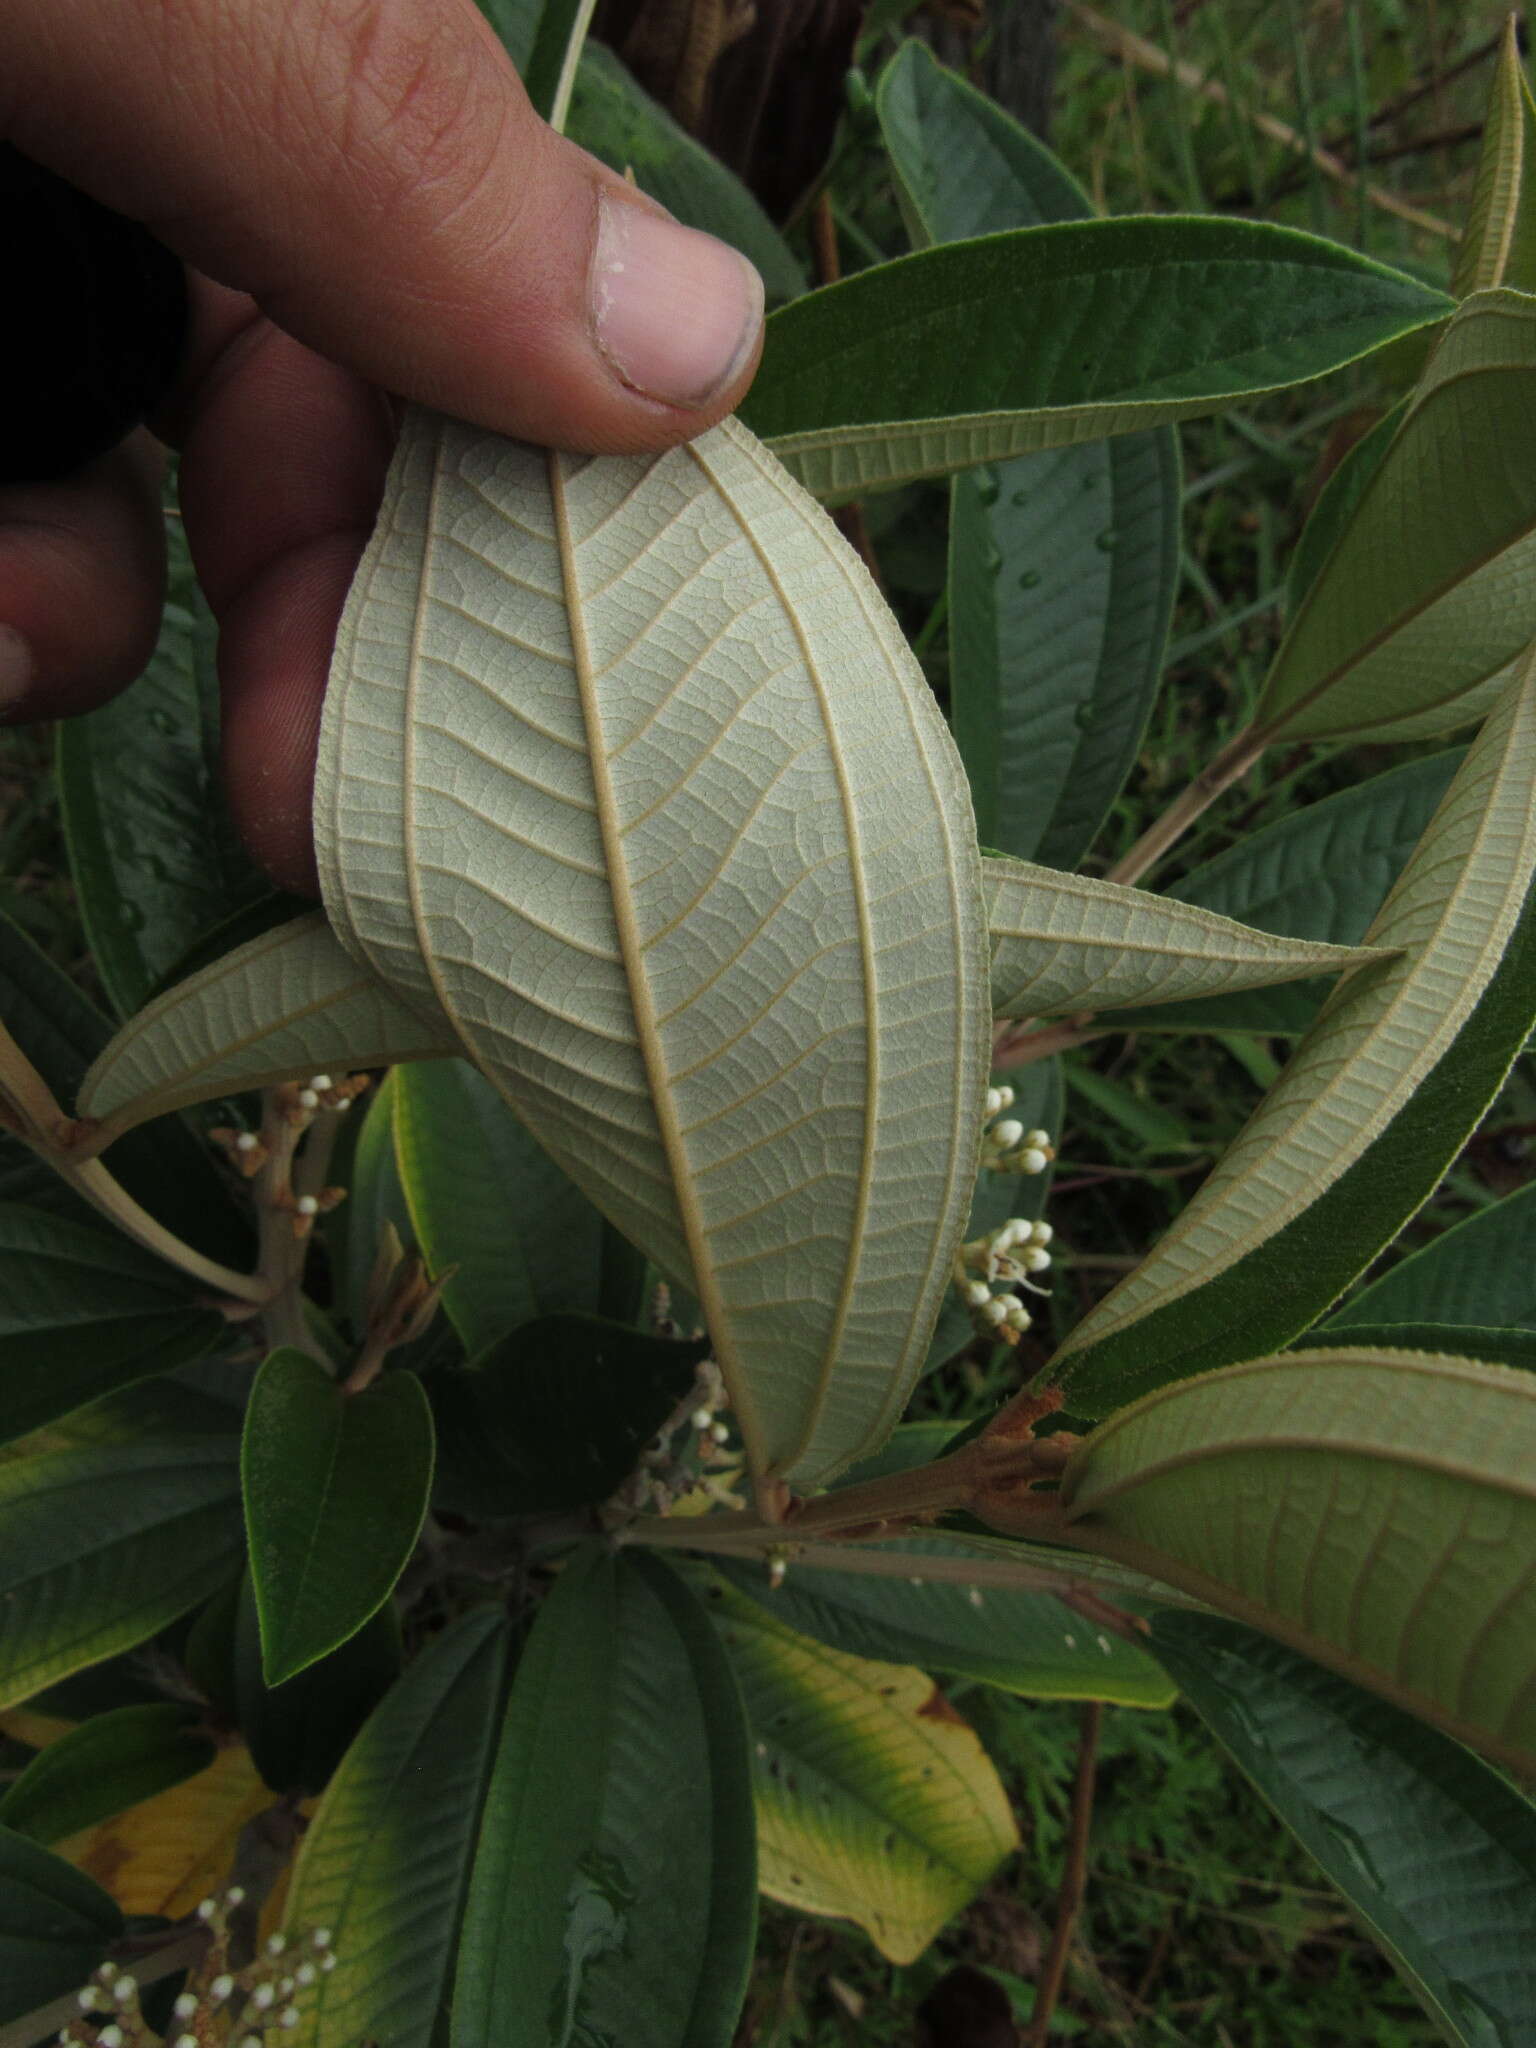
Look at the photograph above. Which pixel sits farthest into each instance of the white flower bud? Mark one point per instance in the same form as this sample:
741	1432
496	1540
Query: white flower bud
720	1431
235	1896
276	1943
995	1312
978	1293
262	1997
247	1141
994	1101
321	1083
186	2041
1033	1160
1007	1134
308	1099
125	1988
221	1987
1005	1097
110	2037
304	1975
1042	1233
1036	1259
306	1205
701	1418
1019	1317
186	2005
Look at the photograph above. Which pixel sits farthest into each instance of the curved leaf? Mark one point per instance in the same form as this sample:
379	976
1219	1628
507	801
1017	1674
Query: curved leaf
1376	1101
386	1857
1498	245
1023	1642
490	1203
286	1005
1480	1271
83	1313
981	350
336	1487
1458	1340
613	1896
55	1926
624	766
1374	1510
1427	593
1435	1852
299	1730
1062	943
102	1765
875	1801
98	1549
1062	566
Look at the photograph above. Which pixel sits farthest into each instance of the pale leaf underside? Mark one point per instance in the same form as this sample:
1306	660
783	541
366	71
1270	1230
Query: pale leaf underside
1375	1509
289	1004
1062	943
627	771
1449	919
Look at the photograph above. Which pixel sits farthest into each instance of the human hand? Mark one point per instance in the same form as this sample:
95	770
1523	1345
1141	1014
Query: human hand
368	205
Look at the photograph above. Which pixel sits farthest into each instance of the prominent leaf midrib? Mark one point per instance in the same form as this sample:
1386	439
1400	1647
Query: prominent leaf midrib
1432	1044
1428	597
1508	75
1394	1454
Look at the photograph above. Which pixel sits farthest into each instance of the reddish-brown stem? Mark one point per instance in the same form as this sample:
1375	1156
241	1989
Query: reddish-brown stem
1018	1046
1073	1875
1229	766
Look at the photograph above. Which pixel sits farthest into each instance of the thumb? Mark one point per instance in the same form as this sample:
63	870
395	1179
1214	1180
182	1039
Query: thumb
372	173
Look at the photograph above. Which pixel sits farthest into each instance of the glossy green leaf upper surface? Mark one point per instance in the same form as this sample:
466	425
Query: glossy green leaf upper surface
1375	1510
490	1203
336	1487
1431	1848
613	1892
1374	1103
1425	596
1025	1643
386	1857
55	1925
626	768
82	1312
100	1548
103	1764
981	350
1062	565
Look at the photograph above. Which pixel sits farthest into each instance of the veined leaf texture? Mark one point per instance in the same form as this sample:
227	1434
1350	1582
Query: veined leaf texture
628	773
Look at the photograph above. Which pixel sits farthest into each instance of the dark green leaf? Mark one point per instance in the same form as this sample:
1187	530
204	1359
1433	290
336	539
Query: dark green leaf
1336	505
163	1167
336	1488
55	1925
100	1548
1272	1294
1026	1643
387	1855
266	913
1451	1340
1432	1849
83	1312
488	1200
299	1731
154	858
1482	1272
613	1893
922	365
621	125
102	1766
556	1415
376	1199
963	165
1062	566
1321	873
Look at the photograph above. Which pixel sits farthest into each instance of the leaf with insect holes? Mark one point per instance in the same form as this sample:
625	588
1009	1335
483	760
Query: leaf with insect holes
1376	1510
1375	1102
336	1488
626	771
287	1005
1062	943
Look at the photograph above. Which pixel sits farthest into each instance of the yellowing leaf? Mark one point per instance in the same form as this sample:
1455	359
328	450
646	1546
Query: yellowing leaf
626	771
876	1802
169	1852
